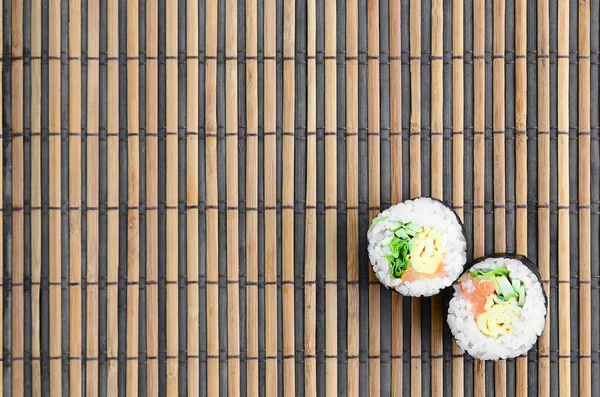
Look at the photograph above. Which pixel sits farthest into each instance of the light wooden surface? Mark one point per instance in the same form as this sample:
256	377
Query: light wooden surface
543	187
152	199
521	158
479	160
310	232
458	161
270	194
36	196
192	198
374	164
212	214
499	161
133	198
331	238
352	220
396	174
437	184
287	200
172	199
252	106
564	251
231	144
112	198
18	199
54	127
187	185
415	180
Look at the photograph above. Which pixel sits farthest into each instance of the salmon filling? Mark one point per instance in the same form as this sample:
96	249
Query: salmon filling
495	299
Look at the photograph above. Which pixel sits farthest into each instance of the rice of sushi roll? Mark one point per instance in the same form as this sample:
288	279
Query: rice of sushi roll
498	310
418	247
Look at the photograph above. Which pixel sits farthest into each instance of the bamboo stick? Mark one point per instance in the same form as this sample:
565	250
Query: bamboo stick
458	123
437	100
2	181
152	197
287	202
395	104
54	199
458	183
18	212
415	180
233	293
396	182
415	97
252	105
310	243
112	200
18	215
36	195
564	277
330	200
583	138
374	188
133	195
172	249
92	201
521	156
270	195
544	186
499	159
499	134
437	166
193	290
75	323
521	133
212	214
479	157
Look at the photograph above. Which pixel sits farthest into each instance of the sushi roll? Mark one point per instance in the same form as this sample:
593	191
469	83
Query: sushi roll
498	310
417	247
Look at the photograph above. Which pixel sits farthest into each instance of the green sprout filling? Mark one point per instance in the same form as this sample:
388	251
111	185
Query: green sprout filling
399	243
506	287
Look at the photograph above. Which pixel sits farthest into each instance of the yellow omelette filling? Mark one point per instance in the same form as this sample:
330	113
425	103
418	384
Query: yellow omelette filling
427	251
498	317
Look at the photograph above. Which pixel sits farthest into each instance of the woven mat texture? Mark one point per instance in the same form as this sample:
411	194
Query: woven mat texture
187	186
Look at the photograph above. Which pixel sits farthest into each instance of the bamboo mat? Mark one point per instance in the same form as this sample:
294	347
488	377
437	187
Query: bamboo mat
187	185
